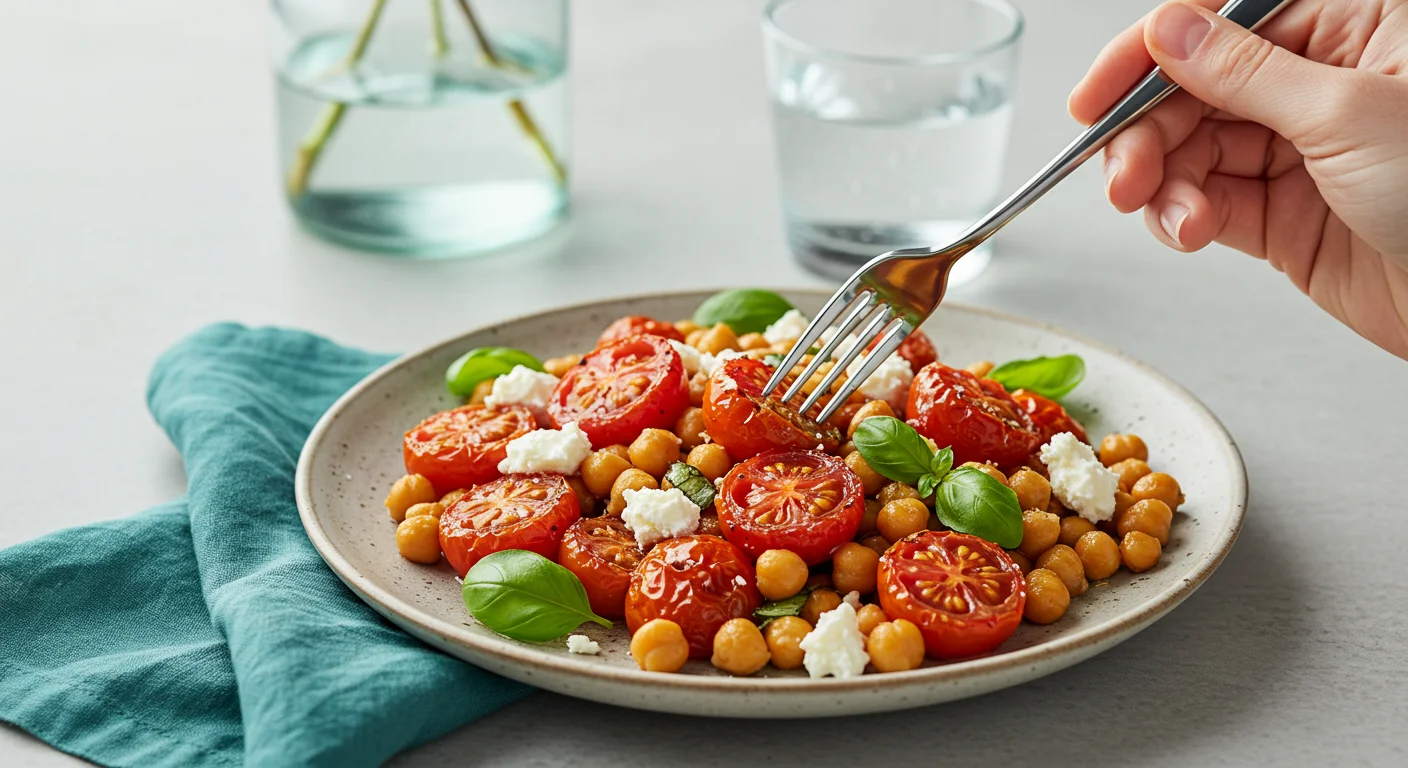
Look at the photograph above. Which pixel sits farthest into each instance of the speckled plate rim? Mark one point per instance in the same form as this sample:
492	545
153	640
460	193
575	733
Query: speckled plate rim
1002	669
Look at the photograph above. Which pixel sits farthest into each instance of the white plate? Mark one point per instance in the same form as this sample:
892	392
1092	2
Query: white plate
354	454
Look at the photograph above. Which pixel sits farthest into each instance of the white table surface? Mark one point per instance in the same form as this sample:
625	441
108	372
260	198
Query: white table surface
140	200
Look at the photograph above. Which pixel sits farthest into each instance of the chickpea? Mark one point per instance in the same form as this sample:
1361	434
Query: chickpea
753	341
1117	448
632	479
895	646
619	450
1140	551
1072	528
1022	561
1099	554
407	492
988	470
784	636
847	448
709	525
981	368
1129	471
600	470
452	497
686	327
712	461
1040	530
694	337
1047	597
818	602
717	339
690	428
867	520
872	480
819	581
481	391
853	568
1064	562
1150	516
697	383
869	617
1157	485
901	517
781	574
434	509
895	491
876	542
418	539
1033	491
586	500
659	646
559	366
1055	507
841	419
739	648
1123	501
654	451
869	410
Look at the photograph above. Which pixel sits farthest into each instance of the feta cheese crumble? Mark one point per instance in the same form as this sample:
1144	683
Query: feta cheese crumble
709	363
548	450
654	515
852	599
890	382
688	355
790	326
836	647
583	645
1078	479
524	386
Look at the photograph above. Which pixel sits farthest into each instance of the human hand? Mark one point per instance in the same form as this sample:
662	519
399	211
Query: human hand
1290	145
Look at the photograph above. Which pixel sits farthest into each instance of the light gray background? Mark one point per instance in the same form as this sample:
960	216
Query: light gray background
140	201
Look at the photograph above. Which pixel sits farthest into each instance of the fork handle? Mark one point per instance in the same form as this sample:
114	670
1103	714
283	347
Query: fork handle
1153	89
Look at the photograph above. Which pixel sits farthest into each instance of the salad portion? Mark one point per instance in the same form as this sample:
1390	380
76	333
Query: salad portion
648	480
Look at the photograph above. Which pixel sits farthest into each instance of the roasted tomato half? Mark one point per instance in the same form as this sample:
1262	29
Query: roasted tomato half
1048	417
621	389
804	501
463	447
634	325
529	512
603	553
978	419
698	582
738	417
916	349
964	593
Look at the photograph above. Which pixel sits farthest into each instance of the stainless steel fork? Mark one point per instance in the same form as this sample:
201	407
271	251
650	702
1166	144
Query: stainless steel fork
892	294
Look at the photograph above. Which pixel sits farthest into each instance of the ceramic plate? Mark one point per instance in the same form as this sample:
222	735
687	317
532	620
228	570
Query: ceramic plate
354	454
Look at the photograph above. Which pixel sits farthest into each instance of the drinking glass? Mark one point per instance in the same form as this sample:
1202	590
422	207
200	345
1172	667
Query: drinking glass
429	127
891	119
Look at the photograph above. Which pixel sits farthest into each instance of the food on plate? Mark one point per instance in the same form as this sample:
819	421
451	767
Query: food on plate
649	480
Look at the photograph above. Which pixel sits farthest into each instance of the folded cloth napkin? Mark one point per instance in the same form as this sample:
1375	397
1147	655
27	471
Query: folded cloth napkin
208	630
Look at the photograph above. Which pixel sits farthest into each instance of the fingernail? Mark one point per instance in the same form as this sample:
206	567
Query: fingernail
1112	169
1172	220
1179	30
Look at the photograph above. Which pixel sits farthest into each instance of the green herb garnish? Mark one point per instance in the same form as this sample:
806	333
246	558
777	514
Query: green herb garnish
483	363
692	483
745	310
776	609
1052	377
526	596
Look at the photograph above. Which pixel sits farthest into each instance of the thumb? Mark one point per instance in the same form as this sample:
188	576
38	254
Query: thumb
1234	70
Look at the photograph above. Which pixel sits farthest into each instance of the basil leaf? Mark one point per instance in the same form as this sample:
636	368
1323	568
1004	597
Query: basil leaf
692	483
791	606
482	363
526	596
969	501
894	449
927	484
1052	377
941	464
745	310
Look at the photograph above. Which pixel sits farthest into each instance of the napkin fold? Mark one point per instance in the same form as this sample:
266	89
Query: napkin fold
207	630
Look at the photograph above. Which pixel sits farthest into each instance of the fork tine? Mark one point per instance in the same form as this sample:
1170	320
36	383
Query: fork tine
843	331
881	319
837	304
888	344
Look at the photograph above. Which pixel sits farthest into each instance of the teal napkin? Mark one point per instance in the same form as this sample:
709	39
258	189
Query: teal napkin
207	630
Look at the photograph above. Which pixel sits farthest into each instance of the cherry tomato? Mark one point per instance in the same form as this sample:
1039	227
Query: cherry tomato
462	447
804	501
738	417
964	593
978	419
1048	417
603	553
916	349
529	512
634	325
619	390
698	582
